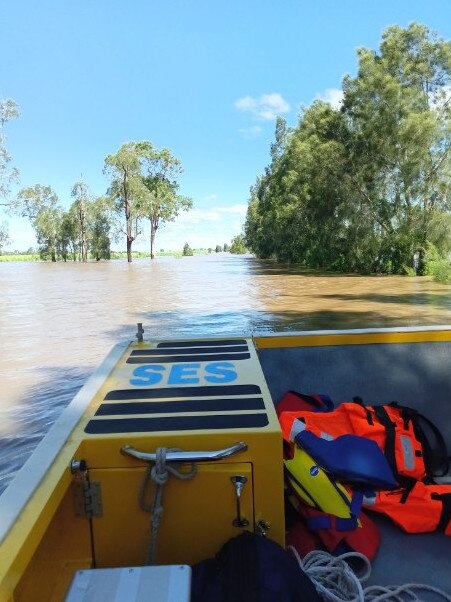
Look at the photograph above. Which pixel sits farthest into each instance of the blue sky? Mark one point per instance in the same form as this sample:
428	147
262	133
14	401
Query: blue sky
204	78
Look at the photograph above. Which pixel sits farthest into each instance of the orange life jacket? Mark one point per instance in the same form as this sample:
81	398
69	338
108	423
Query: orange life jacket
419	504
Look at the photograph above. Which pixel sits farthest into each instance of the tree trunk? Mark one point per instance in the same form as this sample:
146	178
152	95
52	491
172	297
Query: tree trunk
152	242
129	250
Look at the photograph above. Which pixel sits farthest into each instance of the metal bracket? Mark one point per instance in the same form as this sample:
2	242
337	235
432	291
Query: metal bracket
262	528
88	499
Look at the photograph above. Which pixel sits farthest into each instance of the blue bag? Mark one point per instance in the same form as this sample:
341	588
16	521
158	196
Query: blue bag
251	568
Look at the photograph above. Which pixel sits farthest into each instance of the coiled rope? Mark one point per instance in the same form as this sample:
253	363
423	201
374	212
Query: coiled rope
159	474
336	581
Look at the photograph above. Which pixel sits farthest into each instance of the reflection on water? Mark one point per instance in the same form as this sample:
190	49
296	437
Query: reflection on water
58	321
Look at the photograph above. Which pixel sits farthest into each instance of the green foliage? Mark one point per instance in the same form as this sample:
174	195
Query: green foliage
127	189
99	229
4	236
161	202
440	270
238	246
7	257
80	217
359	189
437	266
40	204
143	185
8	110
218	249
187	250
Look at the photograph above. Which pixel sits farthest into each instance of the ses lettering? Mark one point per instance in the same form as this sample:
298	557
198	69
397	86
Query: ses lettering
184	374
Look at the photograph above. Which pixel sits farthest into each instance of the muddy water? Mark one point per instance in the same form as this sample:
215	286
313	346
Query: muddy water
58	321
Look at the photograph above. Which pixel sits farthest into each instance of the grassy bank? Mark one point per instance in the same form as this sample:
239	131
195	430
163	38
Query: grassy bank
7	257
20	257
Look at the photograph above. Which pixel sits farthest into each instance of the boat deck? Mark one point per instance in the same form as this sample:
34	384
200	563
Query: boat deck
409	370
208	394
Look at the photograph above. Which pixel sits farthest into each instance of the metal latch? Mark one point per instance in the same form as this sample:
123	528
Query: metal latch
239	482
88	498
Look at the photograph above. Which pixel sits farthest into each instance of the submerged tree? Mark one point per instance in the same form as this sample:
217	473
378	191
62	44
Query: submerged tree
398	108
127	189
187	250
362	187
144	185
40	204
238	245
80	211
100	227
161	203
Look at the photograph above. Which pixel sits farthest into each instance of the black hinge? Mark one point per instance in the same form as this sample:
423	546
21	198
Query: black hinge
88	498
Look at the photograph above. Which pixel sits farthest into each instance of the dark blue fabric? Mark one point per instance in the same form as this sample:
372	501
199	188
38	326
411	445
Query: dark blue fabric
251	568
350	458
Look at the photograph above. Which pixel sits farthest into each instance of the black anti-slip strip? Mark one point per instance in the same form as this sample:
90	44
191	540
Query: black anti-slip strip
190	350
173	344
176	392
172	407
176	423
188	358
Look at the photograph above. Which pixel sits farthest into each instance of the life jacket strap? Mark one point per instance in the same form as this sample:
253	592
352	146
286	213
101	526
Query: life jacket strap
445	517
341	524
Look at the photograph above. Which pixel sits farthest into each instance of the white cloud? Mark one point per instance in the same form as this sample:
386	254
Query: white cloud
251	132
210	197
236	209
265	107
333	96
201	228
212	214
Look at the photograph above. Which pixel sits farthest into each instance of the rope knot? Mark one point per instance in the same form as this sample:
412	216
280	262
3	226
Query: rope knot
159	473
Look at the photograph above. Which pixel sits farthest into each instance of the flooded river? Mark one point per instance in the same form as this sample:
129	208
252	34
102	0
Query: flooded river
57	321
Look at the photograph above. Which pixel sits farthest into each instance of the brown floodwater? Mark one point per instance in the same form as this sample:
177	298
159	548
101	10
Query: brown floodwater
57	321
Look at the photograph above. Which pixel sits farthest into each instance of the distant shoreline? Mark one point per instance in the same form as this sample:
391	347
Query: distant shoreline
35	257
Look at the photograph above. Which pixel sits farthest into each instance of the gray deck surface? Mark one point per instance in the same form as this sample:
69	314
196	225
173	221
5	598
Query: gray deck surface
414	374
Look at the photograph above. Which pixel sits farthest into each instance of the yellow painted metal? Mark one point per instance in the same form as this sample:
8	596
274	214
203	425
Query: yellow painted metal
200	512
264	443
347	338
197	519
27	534
64	549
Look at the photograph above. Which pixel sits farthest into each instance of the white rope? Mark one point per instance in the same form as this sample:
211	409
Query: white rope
159	473
336	581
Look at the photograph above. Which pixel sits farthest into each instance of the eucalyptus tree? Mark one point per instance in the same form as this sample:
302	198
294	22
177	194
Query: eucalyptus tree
99	229
161	202
8	110
41	205
68	240
80	211
127	189
4	236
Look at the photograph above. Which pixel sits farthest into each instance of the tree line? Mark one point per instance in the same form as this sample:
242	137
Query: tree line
143	186
364	187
